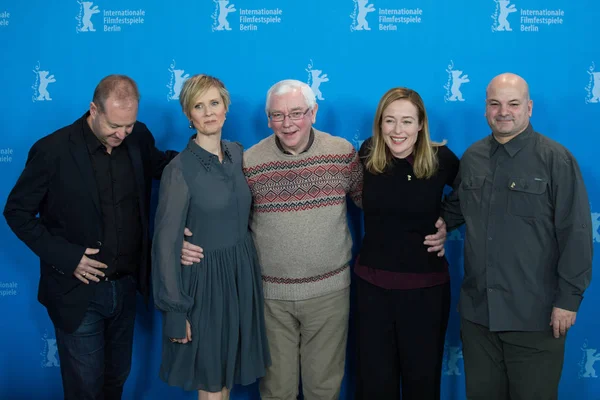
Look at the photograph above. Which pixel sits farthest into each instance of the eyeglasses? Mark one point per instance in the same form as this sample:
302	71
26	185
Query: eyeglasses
294	115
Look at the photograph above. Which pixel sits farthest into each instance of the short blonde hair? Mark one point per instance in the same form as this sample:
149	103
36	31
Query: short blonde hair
196	86
425	155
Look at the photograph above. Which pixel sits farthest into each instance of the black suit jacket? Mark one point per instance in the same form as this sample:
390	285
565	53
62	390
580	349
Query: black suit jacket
55	209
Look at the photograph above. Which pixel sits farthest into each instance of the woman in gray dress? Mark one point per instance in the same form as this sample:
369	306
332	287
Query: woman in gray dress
213	322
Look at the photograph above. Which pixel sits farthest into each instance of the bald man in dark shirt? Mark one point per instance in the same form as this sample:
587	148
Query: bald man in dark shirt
528	251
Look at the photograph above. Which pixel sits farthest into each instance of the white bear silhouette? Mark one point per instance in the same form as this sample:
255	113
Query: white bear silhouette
457	80
317	79
51	359
454	354
43	88
88	11
224	10
180	78
363	10
596	89
590	359
454	235
505	9
596	226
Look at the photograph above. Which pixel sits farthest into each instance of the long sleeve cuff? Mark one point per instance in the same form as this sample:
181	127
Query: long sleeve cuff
174	324
568	302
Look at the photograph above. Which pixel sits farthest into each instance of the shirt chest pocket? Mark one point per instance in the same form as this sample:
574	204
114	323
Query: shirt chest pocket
527	196
470	194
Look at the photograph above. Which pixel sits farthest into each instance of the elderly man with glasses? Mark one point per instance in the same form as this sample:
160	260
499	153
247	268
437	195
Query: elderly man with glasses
299	178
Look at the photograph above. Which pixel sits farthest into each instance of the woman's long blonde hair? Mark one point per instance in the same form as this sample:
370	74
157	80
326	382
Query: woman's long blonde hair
425	154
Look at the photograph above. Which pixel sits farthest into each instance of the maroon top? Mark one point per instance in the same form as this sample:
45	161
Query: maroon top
400	280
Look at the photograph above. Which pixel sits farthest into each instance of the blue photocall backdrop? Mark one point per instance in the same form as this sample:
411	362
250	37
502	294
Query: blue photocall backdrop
350	52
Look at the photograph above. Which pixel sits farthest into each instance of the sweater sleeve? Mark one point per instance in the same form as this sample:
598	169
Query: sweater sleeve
167	282
356	178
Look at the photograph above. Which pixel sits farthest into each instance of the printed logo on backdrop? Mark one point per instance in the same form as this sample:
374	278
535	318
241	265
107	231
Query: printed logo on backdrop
4	18
530	20
588	360
500	16
359	15
455	80
593	87
8	288
40	84
222	10
84	18
357	140
178	77
389	19
455	236
250	19
596	227
315	78
49	352
450	363
6	155
109	20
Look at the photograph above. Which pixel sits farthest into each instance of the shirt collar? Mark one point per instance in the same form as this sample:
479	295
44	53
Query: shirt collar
92	142
206	158
311	139
514	145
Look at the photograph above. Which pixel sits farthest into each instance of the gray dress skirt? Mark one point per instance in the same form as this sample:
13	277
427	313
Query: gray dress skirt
222	295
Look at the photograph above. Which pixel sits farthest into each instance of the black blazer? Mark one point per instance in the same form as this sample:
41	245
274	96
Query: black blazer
58	183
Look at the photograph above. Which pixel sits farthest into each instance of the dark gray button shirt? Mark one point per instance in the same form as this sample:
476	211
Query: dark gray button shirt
528	243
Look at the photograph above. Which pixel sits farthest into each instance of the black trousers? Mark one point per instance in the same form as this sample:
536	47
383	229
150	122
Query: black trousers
511	365
400	338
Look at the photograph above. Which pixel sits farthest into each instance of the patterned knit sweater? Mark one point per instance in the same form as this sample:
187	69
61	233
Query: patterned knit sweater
299	221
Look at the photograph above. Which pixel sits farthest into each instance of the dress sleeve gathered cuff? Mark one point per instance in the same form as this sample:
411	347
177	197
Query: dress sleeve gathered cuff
174	324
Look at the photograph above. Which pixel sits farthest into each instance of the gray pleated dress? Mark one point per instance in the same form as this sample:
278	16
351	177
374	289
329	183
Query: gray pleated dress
222	295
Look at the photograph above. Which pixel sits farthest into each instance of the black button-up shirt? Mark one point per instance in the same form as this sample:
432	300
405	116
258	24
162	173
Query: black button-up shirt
528	243
121	222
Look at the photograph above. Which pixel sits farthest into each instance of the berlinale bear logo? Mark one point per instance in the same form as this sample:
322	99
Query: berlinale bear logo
49	353
593	87
359	15
222	10
500	16
85	16
178	77
455	80
590	356
315	78
40	85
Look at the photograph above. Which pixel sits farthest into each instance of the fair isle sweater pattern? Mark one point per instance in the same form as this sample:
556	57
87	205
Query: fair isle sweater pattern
299	219
284	186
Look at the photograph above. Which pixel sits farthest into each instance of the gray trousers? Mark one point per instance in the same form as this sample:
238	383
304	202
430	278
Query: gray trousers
306	337
511	365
